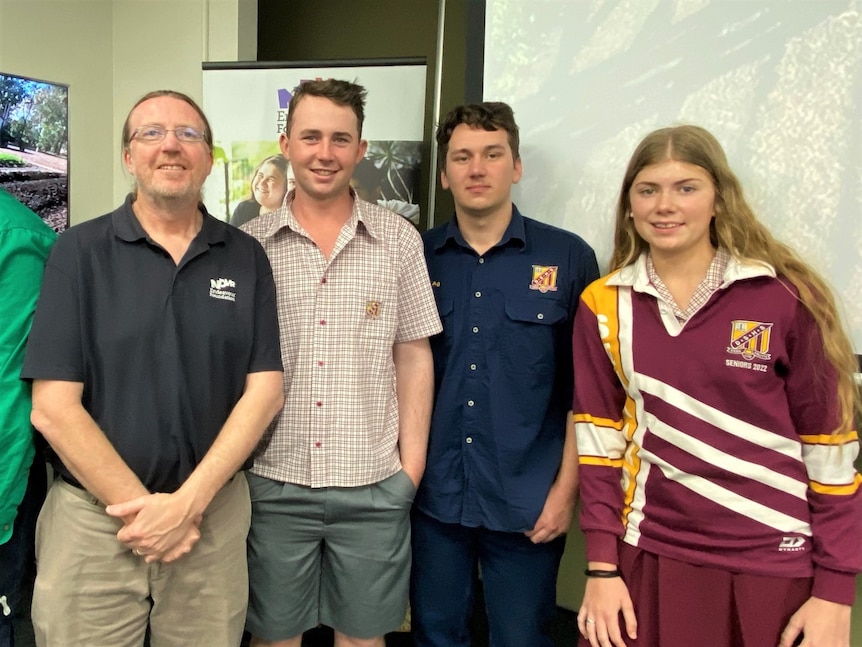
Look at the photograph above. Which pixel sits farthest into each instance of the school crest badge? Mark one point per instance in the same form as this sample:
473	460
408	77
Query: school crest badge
750	339
372	310
544	278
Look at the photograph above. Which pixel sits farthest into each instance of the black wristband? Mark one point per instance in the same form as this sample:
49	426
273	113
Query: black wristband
602	573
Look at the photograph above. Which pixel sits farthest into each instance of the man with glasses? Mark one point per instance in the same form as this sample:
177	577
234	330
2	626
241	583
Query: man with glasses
156	367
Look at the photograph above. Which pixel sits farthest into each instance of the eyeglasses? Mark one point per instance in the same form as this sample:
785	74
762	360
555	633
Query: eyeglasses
152	134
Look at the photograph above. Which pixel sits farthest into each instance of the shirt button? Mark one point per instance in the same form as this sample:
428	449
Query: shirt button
318	444
477	294
472	367
320	363
318	404
6	527
470	403
469	440
475	328
540	316
323	322
323	280
481	260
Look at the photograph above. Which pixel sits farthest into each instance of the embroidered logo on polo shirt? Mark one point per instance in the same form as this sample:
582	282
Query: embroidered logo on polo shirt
750	339
221	289
372	310
544	278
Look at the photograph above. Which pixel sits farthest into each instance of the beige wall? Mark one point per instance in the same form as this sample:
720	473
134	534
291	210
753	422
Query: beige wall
110	52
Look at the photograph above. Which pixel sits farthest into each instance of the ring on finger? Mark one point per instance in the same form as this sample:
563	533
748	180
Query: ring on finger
591	621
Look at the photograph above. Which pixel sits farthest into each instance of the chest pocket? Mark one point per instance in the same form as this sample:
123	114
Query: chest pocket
529	333
442	343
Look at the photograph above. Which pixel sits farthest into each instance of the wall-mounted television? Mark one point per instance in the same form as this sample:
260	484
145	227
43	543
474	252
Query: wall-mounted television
34	145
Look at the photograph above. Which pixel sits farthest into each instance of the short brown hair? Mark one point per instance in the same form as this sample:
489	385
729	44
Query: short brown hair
342	93
490	116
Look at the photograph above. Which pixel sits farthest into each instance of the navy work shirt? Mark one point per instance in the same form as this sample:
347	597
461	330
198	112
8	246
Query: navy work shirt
163	350
502	371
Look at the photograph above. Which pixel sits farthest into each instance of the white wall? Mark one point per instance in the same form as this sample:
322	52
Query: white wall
110	52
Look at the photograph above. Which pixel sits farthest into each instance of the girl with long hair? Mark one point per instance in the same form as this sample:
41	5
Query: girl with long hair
714	412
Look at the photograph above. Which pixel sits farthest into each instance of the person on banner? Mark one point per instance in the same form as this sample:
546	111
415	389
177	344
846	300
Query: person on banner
25	241
156	368
333	485
502	472
714	402
269	184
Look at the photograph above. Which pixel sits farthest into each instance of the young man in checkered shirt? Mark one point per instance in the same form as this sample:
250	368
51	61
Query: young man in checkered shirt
334	483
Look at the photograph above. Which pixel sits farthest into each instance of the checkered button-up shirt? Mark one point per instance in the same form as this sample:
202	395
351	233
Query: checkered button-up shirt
705	289
339	319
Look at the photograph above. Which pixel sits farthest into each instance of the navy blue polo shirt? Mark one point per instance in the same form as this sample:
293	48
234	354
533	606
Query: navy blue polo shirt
163	350
502	371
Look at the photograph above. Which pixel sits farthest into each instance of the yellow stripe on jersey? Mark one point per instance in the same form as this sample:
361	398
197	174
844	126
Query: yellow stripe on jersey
599	422
602	301
830	439
603	462
852	488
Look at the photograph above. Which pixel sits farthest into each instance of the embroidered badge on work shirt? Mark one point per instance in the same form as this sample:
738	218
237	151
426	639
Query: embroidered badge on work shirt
372	310
544	278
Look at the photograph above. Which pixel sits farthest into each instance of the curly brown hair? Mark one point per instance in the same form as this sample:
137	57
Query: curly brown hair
490	115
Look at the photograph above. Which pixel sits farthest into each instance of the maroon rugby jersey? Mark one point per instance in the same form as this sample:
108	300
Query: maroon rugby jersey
718	429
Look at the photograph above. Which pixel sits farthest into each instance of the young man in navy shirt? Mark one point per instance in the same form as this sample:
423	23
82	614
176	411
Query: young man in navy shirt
501	478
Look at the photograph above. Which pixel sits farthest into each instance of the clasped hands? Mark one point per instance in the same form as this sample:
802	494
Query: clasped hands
158	527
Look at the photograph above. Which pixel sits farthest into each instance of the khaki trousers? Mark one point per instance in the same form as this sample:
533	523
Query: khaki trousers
91	590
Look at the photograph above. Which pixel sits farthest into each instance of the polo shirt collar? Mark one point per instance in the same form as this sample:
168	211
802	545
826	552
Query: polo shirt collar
127	227
636	275
126	224
515	233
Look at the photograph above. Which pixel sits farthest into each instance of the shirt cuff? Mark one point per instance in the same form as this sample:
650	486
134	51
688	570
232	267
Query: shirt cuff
834	586
602	547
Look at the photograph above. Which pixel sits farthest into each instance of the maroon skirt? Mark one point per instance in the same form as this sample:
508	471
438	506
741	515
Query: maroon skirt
681	605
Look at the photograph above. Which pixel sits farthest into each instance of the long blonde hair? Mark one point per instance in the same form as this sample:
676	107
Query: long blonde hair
736	229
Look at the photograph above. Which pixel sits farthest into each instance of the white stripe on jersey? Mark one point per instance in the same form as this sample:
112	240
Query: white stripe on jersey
827	465
724	421
727	462
731	500
599	441
624	319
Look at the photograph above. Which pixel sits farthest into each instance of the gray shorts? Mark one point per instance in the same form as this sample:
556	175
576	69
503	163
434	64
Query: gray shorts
333	556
